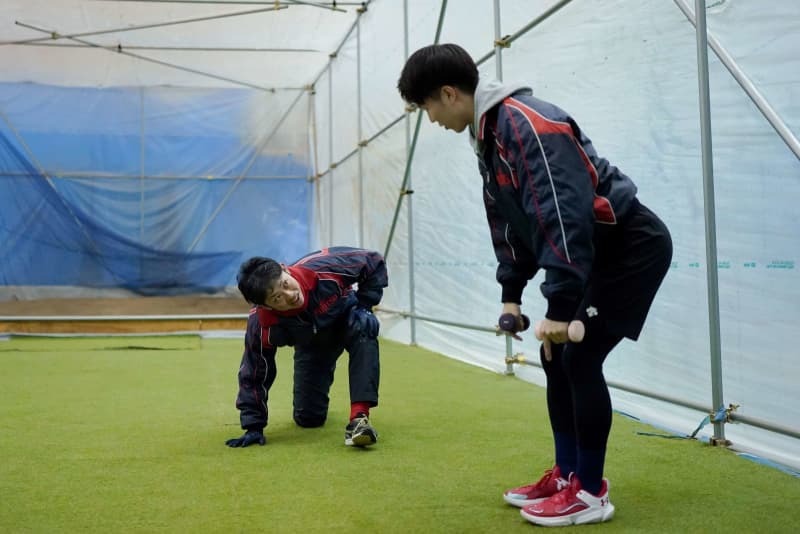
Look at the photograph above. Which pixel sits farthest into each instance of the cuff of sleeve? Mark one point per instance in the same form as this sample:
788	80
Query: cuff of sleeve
561	309
513	293
368	299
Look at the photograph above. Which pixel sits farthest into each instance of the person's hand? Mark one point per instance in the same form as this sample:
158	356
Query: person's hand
512	321
511	325
248	438
549	332
363	321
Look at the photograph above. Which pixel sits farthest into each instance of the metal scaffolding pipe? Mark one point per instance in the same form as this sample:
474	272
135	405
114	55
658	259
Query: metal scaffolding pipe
364	6
359	131
366	142
119	50
56	35
331	6
712	279
117	47
330	151
744	82
410	158
525	29
410	204
647	393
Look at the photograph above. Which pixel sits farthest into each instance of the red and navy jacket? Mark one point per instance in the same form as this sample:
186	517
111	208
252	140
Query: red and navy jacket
537	155
327	278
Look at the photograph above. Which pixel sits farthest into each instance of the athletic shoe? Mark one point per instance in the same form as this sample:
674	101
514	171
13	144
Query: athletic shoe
571	506
551	483
359	433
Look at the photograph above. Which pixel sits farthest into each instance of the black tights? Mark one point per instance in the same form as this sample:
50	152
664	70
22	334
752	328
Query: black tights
578	401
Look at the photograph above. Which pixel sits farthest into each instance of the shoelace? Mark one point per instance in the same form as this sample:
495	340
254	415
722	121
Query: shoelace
566	495
360	422
548	474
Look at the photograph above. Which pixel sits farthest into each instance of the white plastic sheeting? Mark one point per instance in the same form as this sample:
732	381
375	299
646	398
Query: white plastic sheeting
627	71
254	44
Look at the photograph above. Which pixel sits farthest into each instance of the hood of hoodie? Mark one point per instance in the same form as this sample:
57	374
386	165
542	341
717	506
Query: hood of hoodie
488	94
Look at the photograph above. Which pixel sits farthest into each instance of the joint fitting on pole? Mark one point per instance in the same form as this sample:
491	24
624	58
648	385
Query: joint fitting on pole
503	42
334	165
406	192
54	35
363	143
332	55
119	48
729	410
310	88
362	9
516	358
410	108
719	442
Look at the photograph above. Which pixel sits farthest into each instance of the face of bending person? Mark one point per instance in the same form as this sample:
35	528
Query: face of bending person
450	108
285	294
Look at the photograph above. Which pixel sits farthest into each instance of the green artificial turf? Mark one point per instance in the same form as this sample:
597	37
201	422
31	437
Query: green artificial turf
95	437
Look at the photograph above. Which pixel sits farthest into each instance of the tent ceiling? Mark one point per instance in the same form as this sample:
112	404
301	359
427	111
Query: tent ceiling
249	42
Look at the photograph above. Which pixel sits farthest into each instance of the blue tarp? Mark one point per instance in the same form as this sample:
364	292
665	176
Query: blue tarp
152	190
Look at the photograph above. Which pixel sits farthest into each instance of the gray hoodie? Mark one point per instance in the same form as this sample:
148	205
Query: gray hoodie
488	94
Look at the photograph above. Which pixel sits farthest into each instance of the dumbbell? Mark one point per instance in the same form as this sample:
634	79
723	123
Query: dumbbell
512	324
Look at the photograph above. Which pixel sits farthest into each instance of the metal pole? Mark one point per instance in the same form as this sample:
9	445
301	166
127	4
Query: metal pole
498	48
119	50
710	220
141	165
365	143
364	5
330	6
330	151
410	204
360	130
758	99
525	29
313	204
56	35
404	186
498	52
117	47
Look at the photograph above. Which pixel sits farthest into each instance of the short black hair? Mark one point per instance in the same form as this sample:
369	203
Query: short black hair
431	67
257	276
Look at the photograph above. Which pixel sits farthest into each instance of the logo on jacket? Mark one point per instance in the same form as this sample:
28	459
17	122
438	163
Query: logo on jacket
326	304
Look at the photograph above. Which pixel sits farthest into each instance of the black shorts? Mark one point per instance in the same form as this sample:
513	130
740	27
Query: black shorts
631	260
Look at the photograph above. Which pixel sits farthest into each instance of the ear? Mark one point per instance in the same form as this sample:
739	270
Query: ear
448	94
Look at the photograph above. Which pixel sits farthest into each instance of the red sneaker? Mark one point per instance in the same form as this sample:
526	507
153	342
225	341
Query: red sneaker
571	506
551	483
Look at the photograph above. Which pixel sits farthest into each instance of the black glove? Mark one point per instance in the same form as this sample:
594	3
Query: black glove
248	438
363	321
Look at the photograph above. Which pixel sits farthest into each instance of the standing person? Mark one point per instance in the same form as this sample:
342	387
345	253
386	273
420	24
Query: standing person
553	203
312	306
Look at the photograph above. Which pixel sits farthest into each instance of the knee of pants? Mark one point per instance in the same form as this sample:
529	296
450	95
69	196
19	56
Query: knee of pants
309	421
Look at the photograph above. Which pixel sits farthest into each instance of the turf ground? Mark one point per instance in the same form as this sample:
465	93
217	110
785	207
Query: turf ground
127	435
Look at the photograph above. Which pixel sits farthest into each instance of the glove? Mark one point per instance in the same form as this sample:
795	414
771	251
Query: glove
364	322
248	438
